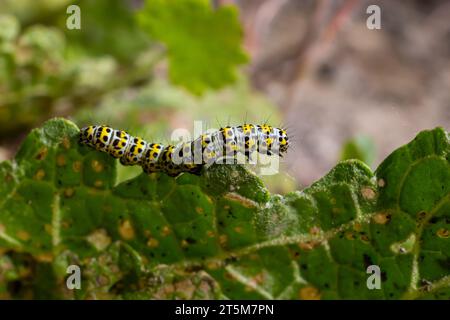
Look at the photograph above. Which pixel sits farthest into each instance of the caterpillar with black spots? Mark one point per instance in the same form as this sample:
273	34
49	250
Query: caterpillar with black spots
192	156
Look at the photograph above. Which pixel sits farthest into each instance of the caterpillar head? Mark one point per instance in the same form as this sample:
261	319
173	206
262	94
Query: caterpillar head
283	139
87	135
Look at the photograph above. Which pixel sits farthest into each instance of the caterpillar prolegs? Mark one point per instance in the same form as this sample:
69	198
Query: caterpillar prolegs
228	142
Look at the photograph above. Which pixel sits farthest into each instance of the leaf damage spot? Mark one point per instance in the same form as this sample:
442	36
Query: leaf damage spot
309	293
350	235
23	235
60	160
97	166
214	265
421	216
99	239
152	242
368	193
66	142
98	183
126	230
184	243
382	218
404	247
364	237
381	183
69	192
223	239
238	229
40	174
443	233
45	257
165	231
42	154
76	166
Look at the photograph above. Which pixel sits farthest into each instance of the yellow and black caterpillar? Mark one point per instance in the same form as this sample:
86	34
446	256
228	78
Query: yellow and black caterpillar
192	156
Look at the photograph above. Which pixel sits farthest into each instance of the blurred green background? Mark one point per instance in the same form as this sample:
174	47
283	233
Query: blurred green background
123	68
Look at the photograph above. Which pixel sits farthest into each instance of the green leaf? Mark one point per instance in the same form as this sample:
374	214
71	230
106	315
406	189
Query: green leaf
222	235
203	45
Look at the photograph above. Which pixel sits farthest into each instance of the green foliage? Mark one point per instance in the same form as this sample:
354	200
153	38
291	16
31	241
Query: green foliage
222	235
37	78
108	28
31	72
203	45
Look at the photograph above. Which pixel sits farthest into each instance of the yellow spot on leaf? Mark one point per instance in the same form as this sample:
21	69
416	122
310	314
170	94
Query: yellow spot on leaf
443	233
66	143
213	265
42	154
97	166
184	243
309	293
23	235
350	235
69	192
76	166
364	238
223	239
199	210
165	231
45	257
381	183
152	242
210	234
357	226
382	218
98	183
60	160
238	229
40	174
126	230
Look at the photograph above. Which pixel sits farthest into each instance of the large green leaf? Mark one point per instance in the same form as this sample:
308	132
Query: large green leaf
222	235
203	45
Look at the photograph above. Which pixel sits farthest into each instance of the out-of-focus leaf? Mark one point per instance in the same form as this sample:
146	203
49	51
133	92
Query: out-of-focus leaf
203	45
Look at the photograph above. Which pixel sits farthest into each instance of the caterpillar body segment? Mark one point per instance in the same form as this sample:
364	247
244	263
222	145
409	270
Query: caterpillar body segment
192	156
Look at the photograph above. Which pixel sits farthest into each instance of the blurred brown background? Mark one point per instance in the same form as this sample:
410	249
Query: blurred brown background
333	78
